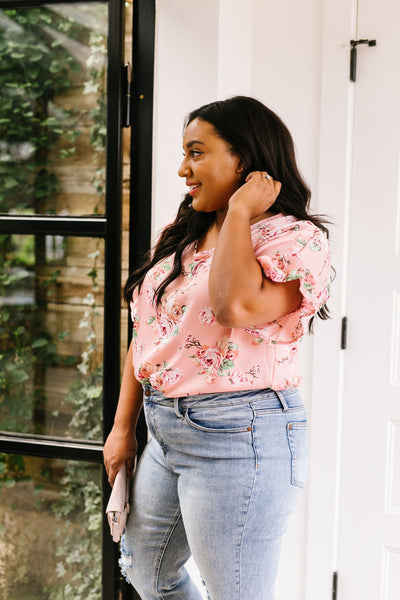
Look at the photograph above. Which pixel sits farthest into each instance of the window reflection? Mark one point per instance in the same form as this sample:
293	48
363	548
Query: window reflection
53	109
51	335
50	524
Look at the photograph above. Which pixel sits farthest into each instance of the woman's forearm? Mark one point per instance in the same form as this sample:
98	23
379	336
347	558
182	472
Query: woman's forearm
130	398
121	445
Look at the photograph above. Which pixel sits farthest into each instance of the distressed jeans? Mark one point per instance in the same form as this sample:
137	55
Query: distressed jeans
218	480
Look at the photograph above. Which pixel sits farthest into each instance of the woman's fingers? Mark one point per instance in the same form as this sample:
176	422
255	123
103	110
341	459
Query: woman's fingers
130	465
262	174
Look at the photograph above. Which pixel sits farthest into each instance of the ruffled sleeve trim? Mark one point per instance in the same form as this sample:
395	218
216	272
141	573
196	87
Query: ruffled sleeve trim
303	254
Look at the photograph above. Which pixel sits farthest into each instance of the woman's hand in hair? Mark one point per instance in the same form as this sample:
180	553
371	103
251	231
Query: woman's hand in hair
240	293
256	196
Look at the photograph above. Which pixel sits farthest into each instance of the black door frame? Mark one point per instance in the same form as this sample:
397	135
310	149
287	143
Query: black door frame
108	227
140	212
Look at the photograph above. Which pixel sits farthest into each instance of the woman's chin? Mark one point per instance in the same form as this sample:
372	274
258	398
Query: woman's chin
197	206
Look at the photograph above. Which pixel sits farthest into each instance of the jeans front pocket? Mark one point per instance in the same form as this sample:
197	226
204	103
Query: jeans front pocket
221	419
298	443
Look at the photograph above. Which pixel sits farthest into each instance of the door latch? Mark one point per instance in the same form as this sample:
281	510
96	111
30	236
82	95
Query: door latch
353	55
126	73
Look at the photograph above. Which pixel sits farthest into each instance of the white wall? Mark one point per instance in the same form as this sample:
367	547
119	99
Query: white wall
209	49
185	78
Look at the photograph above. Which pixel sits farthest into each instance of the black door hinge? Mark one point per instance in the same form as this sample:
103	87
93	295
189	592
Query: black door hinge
343	335
334	585
353	55
126	85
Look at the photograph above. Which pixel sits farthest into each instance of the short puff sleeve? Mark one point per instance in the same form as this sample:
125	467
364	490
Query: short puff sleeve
298	250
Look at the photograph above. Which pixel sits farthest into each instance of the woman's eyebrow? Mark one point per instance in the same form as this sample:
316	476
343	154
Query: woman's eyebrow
193	143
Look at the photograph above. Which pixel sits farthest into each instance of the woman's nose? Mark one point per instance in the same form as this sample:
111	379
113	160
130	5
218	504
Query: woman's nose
183	170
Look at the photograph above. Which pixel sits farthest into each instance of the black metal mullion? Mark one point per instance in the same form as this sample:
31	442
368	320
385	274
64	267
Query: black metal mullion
112	297
141	148
140	184
48	447
35	3
142	130
53	225
113	252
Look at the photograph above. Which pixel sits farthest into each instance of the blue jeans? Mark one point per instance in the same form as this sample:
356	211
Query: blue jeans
218	479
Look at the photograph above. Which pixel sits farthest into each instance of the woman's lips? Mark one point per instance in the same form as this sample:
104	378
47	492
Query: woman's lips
194	188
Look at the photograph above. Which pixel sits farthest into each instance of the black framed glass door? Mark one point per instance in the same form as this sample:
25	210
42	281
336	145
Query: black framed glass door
61	118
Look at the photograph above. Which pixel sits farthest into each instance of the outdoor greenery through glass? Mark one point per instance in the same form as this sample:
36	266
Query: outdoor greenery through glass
51	321
52	109
52	161
50	529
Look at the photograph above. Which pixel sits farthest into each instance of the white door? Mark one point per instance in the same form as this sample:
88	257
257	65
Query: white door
369	536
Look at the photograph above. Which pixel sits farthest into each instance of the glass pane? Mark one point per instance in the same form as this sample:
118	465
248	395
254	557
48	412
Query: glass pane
50	527
53	109
51	335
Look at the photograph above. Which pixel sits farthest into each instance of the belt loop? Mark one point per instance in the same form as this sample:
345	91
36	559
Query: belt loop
176	409
282	400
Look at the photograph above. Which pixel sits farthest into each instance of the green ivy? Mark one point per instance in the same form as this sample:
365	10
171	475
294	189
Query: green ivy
34	69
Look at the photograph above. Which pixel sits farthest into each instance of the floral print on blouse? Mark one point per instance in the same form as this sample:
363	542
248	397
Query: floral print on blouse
180	349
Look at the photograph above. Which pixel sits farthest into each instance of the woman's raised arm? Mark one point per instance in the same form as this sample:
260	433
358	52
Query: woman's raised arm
241	295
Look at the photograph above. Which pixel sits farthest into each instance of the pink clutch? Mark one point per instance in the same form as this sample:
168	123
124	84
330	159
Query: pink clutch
118	505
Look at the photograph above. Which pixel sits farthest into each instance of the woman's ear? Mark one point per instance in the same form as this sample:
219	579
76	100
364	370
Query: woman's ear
240	166
244	162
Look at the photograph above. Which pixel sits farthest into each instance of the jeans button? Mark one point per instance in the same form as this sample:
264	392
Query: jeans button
147	393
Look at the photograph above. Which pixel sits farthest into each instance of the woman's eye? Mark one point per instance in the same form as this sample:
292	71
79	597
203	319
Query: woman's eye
192	153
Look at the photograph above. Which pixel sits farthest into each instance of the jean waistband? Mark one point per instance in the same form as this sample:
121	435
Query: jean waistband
285	398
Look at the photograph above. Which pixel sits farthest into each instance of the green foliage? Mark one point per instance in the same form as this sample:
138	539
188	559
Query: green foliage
78	550
34	69
85	397
98	131
26	350
12	469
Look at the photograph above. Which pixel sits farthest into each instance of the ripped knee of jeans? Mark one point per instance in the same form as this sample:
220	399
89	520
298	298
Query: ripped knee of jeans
204	589
126	560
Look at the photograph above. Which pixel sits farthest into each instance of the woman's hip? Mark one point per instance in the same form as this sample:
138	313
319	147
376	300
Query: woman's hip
257	426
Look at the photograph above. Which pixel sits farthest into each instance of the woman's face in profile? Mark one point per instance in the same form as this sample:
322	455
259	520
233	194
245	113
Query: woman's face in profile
212	172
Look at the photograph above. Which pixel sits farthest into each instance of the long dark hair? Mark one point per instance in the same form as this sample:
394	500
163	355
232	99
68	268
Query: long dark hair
263	142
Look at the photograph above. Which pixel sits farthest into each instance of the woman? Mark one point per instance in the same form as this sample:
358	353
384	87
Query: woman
218	311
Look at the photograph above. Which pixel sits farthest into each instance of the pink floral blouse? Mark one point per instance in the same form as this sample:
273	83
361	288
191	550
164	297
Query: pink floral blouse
180	349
